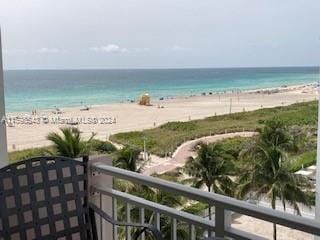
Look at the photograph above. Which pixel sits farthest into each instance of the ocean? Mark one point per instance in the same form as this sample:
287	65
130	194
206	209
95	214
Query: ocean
44	89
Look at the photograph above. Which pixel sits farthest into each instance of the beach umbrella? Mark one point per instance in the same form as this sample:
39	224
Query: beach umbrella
3	134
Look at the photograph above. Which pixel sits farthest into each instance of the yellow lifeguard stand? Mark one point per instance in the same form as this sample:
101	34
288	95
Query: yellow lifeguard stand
145	100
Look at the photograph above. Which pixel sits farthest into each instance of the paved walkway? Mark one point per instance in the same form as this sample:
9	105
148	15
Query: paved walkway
180	156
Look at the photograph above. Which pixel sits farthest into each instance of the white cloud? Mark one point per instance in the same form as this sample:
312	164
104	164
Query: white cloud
111	48
178	48
14	51
51	50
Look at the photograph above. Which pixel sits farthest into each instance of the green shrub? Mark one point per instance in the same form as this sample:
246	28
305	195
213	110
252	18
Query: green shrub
233	146
312	197
196	209
102	146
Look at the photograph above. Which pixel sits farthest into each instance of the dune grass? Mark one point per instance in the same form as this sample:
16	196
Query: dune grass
29	153
166	138
306	159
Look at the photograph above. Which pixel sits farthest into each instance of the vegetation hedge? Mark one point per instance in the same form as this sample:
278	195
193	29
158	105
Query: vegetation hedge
167	137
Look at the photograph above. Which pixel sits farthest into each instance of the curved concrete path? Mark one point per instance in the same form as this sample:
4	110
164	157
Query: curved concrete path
180	156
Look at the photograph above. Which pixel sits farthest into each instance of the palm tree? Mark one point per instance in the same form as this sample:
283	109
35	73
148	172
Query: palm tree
266	172
70	143
129	158
302	139
211	168
276	133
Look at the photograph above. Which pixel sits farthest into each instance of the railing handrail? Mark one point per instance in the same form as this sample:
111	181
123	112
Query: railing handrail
223	202
140	202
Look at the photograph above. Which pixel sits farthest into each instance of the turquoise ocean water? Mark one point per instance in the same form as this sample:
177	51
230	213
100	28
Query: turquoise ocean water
43	89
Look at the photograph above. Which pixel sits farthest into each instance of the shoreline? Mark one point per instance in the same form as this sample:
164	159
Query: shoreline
285	87
133	117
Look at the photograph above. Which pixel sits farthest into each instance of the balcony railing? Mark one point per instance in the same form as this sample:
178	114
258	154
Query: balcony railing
224	206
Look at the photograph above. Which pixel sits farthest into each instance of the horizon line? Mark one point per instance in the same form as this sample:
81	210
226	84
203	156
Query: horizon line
160	68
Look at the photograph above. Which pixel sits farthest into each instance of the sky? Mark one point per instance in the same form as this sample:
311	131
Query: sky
72	34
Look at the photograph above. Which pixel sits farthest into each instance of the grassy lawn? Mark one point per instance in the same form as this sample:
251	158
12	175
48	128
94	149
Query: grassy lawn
166	138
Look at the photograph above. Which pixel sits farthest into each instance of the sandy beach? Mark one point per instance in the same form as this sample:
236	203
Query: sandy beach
131	116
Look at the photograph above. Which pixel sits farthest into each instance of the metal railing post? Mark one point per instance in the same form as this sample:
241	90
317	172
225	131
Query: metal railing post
192	232
157	221
128	220
101	220
142	221
115	217
174	229
219	221
227	219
